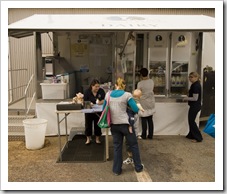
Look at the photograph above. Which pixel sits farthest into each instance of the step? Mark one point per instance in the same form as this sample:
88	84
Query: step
16	133
19	118
15	127
20	112
16	136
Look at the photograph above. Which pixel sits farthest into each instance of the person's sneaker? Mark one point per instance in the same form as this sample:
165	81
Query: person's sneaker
139	137
140	169
128	161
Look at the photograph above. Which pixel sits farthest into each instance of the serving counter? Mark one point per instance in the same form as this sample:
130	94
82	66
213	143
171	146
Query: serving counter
170	118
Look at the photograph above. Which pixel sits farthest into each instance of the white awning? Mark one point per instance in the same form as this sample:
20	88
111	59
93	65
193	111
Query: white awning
106	22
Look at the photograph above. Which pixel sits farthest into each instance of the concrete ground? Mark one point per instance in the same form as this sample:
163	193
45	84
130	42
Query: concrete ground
166	159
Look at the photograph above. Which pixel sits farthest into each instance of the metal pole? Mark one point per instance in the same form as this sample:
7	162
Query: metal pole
59	137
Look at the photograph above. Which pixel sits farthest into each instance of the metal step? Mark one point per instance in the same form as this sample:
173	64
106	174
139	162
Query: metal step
21	116
18	118
16	136
16	132
16	127
20	112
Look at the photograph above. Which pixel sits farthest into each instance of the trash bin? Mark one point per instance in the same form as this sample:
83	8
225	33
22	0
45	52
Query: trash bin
35	130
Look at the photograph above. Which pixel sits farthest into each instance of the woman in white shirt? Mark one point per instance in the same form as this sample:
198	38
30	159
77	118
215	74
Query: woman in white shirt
147	101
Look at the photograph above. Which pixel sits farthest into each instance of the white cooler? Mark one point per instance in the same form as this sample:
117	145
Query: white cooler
54	90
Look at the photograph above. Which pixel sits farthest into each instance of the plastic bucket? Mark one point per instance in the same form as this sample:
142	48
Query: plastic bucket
35	130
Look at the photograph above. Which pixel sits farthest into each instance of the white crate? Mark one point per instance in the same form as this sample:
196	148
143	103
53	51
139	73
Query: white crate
54	90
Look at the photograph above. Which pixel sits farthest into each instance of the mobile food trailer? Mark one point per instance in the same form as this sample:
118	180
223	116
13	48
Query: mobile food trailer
109	46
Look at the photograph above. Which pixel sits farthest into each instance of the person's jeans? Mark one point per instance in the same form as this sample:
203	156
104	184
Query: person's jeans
118	132
147	120
131	121
89	119
194	132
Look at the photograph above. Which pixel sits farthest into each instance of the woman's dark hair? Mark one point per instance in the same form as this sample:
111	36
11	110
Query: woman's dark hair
144	72
94	81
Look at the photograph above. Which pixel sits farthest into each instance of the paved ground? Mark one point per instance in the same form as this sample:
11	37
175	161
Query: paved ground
166	159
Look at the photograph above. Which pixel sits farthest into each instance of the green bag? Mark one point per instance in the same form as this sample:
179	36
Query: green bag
105	118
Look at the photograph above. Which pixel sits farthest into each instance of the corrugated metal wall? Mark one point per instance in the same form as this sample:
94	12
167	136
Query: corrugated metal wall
22	53
21	57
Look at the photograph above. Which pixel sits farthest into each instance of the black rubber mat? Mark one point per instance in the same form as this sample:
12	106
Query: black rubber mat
77	151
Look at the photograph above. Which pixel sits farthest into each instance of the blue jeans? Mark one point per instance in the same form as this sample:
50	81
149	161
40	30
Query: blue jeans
118	132
131	120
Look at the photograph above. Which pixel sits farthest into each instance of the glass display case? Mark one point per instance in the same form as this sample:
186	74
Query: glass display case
179	78
157	72
169	57
131	75
174	80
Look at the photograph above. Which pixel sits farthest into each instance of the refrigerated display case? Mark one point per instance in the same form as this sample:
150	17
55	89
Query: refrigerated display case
158	61
133	57
157	73
183	58
131	75
128	75
128	56
169	62
179	79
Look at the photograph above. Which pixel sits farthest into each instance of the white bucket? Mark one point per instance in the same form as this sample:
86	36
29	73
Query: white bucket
35	130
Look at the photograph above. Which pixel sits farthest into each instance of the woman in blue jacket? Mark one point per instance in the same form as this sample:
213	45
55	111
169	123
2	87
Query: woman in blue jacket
119	100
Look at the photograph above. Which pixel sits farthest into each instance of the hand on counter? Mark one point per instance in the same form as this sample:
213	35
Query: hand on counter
185	99
99	102
182	99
